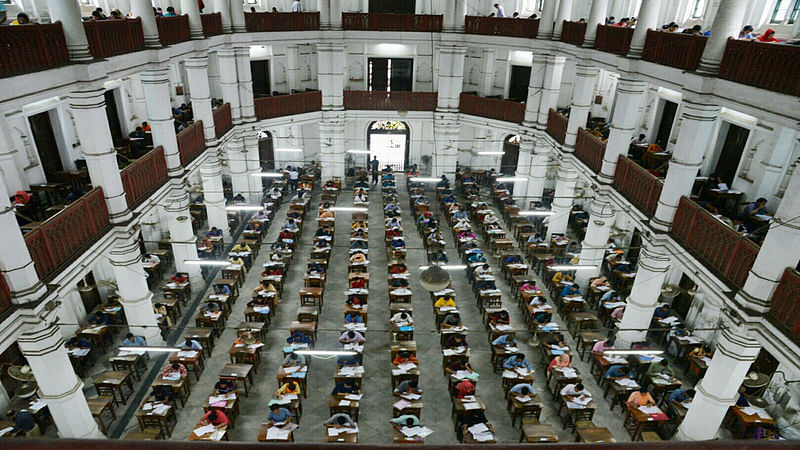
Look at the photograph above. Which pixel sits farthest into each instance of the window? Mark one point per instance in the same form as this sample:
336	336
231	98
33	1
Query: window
699	8
781	8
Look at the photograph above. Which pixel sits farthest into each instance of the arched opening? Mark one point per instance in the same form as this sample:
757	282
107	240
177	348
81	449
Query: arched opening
266	151
508	164
389	140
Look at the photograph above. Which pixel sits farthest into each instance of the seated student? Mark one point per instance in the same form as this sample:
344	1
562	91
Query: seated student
133	341
24	423
445	300
253	225
299	338
406	420
358	258
660	367
528	287
294	359
209	308
639	398
601	346
216	418
351	337
341	420
288	388
518	360
98	318
163	394
399	283
742	399
398	268
558	277
523	389
241	248
349	360
572	289
574	390
151	259
222	289
236	261
468	419
561	361
346	387
405	357
464	388
79	342
225	386
601	281
704	351
618	371
486	285
505	340
500	318
353	318
408	387
535	239
451	320
661	312
402	319
190	344
278	414
176	368
214	232
358	283
179	278
681	395
454	341
512	259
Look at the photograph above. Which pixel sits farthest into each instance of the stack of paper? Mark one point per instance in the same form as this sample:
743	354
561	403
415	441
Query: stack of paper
472	405
160	409
523	371
401	404
275	433
344	402
649	409
204	430
187	354
568	372
354	397
5	431
36	405
627	382
524	399
255	346
411	396
582	400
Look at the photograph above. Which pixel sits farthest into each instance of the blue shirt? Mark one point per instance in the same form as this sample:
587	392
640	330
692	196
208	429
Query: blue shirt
512	363
505	339
281	415
569	290
678	395
136	341
517	389
617	371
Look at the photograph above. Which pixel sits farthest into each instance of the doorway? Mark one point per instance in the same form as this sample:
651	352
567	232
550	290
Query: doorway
392	6
508	164
665	124
46	144
518	85
113	116
260	73
389	141
634	247
682	302
731	153
390	74
266	151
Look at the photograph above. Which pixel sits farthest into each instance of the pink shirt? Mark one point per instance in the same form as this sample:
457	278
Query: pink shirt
600	347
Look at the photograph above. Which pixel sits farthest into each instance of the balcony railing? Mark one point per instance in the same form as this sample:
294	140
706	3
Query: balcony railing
674	49
390	101
172	30
638	185
191	142
62	238
613	39
287	105
391	22
726	252
557	125
281	21
500	26
590	150
144	176
28	48
573	32
493	108
785	309
222	120
761	64
212	24
114	37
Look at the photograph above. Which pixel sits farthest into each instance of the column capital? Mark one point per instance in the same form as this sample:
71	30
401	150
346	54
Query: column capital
454	49
88	99
154	76
582	69
226	51
196	62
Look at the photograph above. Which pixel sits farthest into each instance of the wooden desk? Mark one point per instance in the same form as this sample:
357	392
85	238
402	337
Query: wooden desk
346	438
534	433
131	362
299	376
529	408
399	438
180	387
240	373
230	409
195	362
262	434
246	355
113	382
594	435
98	406
749	421
148	419
219	434
636	421
469	439
96	334
258	329
204	336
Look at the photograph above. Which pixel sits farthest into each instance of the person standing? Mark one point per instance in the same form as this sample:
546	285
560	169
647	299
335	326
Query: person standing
294	175
373	166
500	11
296	6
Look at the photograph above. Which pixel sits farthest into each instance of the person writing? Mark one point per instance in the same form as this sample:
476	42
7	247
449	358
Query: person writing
216	418
278	414
639	398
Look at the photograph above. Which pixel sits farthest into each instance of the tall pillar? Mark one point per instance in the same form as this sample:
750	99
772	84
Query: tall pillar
292	67
548	17
200	94
694	139
631	96
229	82
211	177
324	8
182	237
597	16
460	14
144	10
582	96
564	195
237	16
782	142
451	77
564	12
648	19
59	387
538	64
727	23
551	86
331	145
245	78
335	12
449	14
650	274
718	390
331	58
253	166
135	296
446	150
155	84
487	71
192	9
223	7
9	170
237	165
89	111
595	242
537	176
213	75
69	14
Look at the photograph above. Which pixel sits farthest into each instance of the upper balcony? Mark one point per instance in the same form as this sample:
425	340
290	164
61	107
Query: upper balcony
492	108
501	26
281	21
391	22
390	101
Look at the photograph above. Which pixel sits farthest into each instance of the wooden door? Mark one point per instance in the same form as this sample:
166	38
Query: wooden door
46	144
402	74
113	116
378	74
665	124
260	73
731	153
518	85
266	153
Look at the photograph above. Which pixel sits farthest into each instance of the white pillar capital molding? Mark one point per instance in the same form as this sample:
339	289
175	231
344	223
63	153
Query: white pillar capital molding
597	16
69	14
647	19
143	9
451	77
245	80
631	94
155	84
650	274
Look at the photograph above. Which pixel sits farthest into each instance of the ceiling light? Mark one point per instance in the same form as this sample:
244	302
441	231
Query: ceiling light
348	209
535	213
267	175
325	352
447	267
491	153
633	352
511	179
203	262
423	179
571	267
294	150
359	152
149	349
244	208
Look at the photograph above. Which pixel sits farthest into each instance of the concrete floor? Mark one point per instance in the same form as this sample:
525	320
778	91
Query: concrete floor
376	405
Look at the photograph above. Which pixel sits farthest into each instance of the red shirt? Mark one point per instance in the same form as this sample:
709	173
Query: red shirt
464	388
222	419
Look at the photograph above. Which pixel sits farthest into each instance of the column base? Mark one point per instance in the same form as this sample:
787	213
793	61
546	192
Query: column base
708	67
239	29
660	225
80	55
152	42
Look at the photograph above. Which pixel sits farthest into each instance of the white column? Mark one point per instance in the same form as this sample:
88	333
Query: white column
597	16
324	6
487	71
551	86
564	194
548	17
237	164
648	19
135	296
124	6
652	269
144	10
593	247
564	11
451	77
537	176
292	67
336	15
200	94
59	387
89	111
253	165
182	237
582	96
229	82
213	75
331	145
631	96
245	78
782	141
223	7
331	58
69	14
192	9
460	13
9	169
139	104
446	150
237	16
16	265
449	16
718	390
727	23
694	139
213	197
155	84
538	64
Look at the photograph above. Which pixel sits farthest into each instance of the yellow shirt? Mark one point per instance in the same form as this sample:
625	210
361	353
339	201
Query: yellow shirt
241	248
284	390
442	302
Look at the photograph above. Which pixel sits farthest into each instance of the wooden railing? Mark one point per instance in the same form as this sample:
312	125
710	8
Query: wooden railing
114	37
172	30
28	48
761	64
727	253
613	39
391	22
287	105
281	21
5	294
144	176
493	108
212	24
638	185
590	150
222	120
61	238
674	49
785	309
501	26
557	125
390	101
573	32
191	142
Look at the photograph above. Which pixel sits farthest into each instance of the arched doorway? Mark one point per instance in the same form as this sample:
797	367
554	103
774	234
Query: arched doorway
389	141
266	151
508	164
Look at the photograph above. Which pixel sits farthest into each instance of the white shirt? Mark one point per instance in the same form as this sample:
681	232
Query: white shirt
293	175
570	390
296	6
500	11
